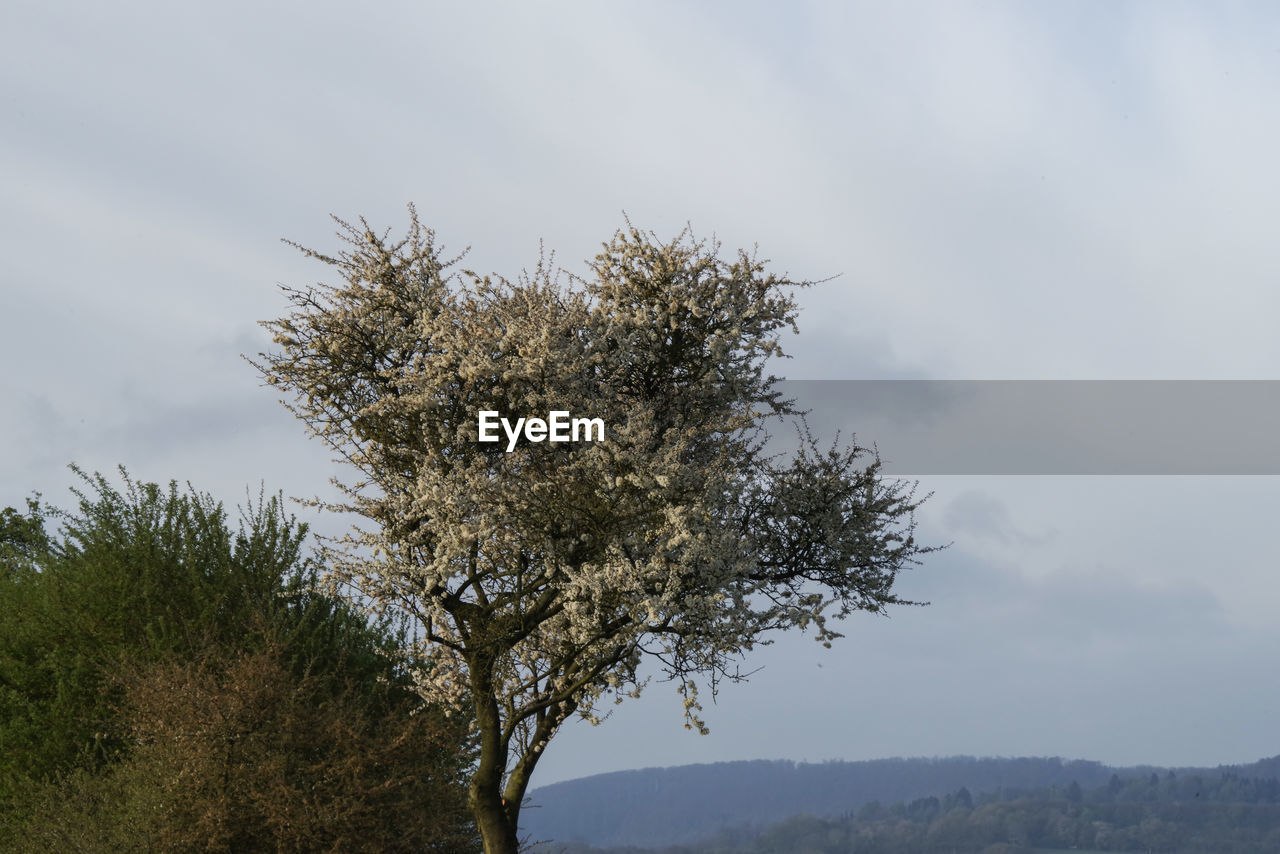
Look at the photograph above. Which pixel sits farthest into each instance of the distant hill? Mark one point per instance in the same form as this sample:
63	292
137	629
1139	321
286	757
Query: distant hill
684	804
667	806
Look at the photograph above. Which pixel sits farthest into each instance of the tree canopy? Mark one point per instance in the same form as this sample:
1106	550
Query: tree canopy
543	576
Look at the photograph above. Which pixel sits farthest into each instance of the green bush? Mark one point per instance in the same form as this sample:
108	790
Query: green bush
170	683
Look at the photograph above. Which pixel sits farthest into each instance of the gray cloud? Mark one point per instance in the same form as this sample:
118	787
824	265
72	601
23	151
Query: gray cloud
981	515
1082	191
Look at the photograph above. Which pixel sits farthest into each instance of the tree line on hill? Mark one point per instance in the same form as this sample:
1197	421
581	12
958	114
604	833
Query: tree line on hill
171	682
665	806
1200	813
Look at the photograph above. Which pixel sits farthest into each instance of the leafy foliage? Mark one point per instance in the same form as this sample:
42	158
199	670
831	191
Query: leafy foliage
171	683
240	754
139	573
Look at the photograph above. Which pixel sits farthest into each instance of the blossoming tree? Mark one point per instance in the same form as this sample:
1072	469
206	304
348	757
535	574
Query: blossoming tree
543	575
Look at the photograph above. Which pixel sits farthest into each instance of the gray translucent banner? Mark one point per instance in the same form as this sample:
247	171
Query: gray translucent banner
1091	427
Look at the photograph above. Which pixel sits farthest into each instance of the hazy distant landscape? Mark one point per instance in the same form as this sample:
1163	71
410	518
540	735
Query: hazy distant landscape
956	804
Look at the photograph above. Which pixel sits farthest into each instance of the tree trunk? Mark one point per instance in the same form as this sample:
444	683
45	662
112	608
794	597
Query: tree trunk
497	827
497	821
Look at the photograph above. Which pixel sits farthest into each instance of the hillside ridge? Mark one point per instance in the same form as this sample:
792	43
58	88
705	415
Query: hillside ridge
684	803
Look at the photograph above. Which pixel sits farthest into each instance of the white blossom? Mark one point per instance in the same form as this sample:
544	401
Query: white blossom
543	578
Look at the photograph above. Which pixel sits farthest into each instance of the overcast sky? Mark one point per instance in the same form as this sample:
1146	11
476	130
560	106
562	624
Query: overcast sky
1083	190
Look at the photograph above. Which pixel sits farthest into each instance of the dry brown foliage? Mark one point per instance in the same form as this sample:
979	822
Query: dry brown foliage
242	754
